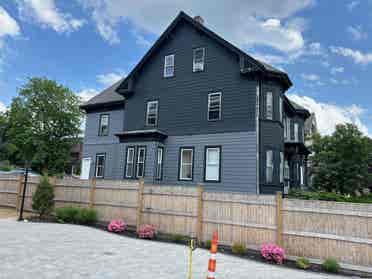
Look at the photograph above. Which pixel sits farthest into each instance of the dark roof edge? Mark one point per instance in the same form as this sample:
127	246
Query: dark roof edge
97	106
182	15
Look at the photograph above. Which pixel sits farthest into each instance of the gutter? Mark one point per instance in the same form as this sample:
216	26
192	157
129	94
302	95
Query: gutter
258	89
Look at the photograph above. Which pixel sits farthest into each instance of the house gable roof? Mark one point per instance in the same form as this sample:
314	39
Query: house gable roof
254	65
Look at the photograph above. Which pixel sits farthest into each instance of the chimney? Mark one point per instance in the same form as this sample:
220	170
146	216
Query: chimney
199	19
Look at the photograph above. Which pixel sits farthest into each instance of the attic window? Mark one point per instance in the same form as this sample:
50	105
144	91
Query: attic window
169	65
198	60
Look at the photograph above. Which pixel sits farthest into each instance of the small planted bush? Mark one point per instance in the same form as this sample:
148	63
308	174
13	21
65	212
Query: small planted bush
43	199
331	265
273	253
67	214
178	238
86	216
147	232
76	215
117	226
303	263
239	249
208	244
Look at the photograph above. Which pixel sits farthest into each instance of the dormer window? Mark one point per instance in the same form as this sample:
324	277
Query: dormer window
152	113
198	60
169	66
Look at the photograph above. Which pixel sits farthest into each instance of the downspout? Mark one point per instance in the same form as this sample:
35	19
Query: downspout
258	89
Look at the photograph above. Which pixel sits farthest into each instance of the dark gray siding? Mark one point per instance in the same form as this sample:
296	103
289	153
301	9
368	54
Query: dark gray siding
116	121
183	98
271	137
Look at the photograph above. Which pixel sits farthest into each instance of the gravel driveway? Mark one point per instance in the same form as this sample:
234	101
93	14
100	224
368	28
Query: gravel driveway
32	250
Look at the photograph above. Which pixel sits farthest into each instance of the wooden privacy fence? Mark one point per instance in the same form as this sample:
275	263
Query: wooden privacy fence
314	229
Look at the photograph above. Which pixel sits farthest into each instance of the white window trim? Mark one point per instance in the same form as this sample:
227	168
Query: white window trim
103	167
170	65
302	175
289	128
148	111
286	169
296	132
159	163
141	162
281	109
281	175
181	164
101	116
195	65
285	128
269	164
269	105
129	162
206	163
219	94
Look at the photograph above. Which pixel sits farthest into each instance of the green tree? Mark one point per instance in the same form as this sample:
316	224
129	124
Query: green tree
43	199
44	120
341	160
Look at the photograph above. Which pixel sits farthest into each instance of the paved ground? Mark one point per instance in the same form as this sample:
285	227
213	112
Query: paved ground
32	250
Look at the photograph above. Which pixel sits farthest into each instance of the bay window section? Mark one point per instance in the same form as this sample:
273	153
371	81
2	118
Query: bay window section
212	164
141	157
100	165
159	163
129	167
269	166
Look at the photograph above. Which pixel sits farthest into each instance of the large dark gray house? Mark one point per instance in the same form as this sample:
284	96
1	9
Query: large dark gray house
196	109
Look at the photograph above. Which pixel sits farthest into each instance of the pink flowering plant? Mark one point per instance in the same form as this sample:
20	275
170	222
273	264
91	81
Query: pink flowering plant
147	231
117	226
273	253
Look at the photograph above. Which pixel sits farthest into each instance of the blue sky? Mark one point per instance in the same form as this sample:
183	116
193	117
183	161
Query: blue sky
326	48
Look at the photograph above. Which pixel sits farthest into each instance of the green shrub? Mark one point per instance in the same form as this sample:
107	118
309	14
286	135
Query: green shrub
303	263
67	214
328	196
208	244
6	168
76	215
178	238
239	249
43	199
86	216
331	265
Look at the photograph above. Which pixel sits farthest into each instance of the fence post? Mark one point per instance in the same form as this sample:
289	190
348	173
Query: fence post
199	221
279	219
19	193
92	192
141	187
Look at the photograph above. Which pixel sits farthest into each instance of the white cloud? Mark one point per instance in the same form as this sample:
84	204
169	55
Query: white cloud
357	33
310	77
336	70
109	78
3	107
357	56
47	14
329	115
87	94
352	5
255	22
8	25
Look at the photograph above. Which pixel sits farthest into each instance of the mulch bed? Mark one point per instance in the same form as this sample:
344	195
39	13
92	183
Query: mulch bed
184	240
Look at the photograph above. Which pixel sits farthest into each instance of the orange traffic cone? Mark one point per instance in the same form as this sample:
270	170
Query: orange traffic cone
212	259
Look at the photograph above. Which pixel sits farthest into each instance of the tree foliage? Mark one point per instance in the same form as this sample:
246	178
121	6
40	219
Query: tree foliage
43	199
341	160
43	121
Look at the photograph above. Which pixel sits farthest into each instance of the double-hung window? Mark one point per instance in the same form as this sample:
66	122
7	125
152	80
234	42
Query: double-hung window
198	59
169	65
103	125
214	106
141	157
159	163
129	167
100	165
296	132
302	175
212	163
269	105
285	127
269	166
288	128
152	113
281	175
286	170
186	163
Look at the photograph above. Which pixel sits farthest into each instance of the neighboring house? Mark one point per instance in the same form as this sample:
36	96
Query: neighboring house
196	109
311	128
